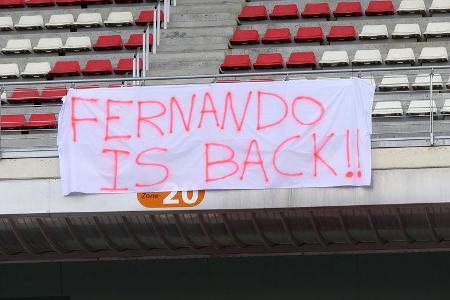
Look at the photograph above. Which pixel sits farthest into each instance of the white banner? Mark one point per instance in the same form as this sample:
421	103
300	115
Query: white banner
254	135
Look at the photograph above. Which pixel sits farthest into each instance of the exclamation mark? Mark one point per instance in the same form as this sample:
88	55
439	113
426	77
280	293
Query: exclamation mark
349	174
357	152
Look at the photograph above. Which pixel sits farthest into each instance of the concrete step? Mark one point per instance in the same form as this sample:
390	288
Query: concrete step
225	31
204	24
215	7
207	2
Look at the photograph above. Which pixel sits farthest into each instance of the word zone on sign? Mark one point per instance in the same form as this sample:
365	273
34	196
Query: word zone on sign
216	136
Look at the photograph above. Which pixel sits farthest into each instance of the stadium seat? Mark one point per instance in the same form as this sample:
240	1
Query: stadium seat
48	45
17	46
30	23
309	34
252	13
6	23
276	35
98	67
387	109
367	57
400	56
38	121
374	32
433	54
236	62
40	3
65	68
108	42
394	83
23	95
9	122
12	3
440	6
269	61
135	41
245	37
411	7
125	66
421	108
445	110
341	33
89	20
437	30
378	8
53	93
422	82
334	59
68	2
36	70
348	9
146	17
302	60
316	10
406	31
284	11
8	71
119	19
77	43
60	21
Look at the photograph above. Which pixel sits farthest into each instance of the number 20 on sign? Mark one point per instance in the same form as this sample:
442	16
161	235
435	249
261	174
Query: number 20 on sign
171	199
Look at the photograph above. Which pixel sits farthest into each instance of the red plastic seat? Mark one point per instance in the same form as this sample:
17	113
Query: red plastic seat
284	11
53	93
245	37
342	33
269	61
302	60
68	2
125	66
253	13
98	67
108	42
316	10
65	68
277	35
348	9
12	3
20	95
38	3
135	41
309	34
146	17
378	8
38	121
236	62
12	121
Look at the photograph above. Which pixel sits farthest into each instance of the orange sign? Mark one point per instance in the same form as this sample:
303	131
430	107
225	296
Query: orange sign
171	199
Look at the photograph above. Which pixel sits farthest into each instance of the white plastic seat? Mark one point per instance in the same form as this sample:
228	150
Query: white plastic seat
60	21
387	108
400	56
445	110
36	70
421	107
440	6
78	43
9	71
422	82
373	32
119	19
30	22
403	31
433	54
437	29
394	82
334	58
411	7
89	20
17	46
47	45
367	57
6	23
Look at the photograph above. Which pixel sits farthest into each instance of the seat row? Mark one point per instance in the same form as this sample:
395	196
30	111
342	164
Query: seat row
339	33
84	20
46	3
35	121
67	68
75	44
393	108
333	58
343	9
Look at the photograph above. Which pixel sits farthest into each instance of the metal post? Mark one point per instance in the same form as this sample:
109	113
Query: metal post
144	53
165	14
134	69
154	32
158	23
147	60
2	90
431	109
174	2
